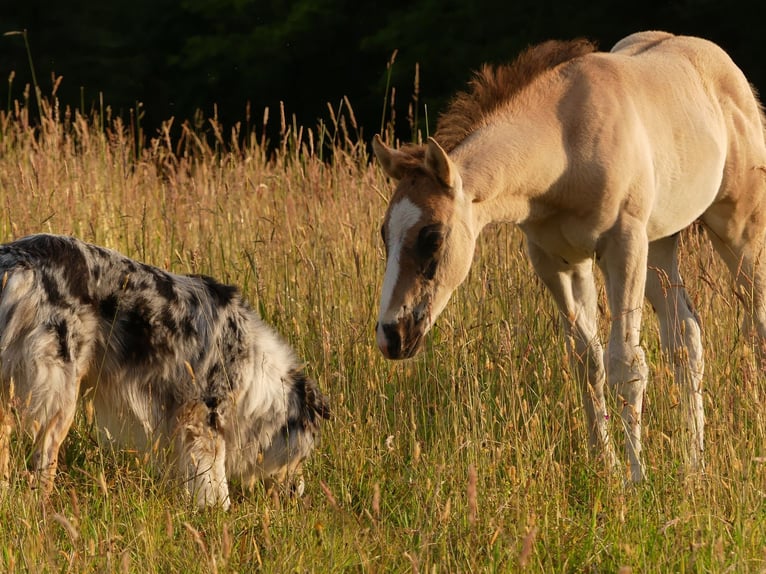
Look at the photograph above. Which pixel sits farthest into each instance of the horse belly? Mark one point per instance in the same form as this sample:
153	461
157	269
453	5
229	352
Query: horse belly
686	195
566	237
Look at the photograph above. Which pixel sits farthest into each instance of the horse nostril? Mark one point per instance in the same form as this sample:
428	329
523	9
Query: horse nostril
393	340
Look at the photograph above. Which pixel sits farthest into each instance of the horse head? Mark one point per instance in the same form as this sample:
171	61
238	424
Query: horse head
429	239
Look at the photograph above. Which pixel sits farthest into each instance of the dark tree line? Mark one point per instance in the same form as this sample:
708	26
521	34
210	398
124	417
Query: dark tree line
181	58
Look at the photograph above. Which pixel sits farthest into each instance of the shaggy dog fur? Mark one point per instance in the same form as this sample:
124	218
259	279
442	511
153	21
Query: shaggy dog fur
179	361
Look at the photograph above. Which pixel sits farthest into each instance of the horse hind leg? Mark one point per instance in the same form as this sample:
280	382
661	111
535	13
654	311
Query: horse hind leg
747	267
737	229
681	340
750	277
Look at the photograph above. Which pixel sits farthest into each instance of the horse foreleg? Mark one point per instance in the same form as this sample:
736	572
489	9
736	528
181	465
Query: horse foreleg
623	261
587	360
573	288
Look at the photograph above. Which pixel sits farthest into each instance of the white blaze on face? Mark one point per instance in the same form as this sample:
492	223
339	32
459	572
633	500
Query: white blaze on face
402	217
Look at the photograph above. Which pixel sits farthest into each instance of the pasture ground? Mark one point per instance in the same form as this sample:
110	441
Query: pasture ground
470	458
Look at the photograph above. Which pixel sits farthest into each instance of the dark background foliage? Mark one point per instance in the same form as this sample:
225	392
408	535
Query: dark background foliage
234	58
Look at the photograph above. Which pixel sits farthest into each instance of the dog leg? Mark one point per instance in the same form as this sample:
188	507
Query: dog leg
201	455
289	480
6	428
54	424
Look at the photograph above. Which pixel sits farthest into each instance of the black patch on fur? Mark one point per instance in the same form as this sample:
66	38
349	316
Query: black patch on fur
108	307
103	252
218	380
61	329
188	323
168	321
188	329
77	280
220	293
232	343
212	375
313	404
137	333
50	285
163	283
62	253
218	384
212	404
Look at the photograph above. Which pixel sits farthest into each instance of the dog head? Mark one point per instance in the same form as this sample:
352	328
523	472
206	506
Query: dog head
273	449
282	460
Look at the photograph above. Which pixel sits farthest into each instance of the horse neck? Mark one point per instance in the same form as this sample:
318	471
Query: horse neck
505	165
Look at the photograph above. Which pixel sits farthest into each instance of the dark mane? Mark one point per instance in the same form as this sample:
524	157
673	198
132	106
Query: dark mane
494	85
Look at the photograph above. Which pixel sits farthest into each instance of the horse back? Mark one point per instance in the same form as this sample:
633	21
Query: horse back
670	121
735	103
721	79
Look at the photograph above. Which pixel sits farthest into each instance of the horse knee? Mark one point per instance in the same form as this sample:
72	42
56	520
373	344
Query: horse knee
627	374
627	370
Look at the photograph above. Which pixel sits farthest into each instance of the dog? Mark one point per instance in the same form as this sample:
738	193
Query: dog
177	361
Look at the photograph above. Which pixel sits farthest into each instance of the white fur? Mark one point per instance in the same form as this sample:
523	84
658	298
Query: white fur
404	215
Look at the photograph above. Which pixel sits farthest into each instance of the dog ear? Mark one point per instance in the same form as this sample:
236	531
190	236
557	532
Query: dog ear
317	399
313	403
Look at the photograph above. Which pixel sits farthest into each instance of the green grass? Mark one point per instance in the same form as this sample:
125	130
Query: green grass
470	458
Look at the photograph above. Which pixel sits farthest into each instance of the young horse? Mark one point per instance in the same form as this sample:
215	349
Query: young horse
594	155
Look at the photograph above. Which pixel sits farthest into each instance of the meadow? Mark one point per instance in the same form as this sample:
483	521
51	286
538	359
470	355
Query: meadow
470	458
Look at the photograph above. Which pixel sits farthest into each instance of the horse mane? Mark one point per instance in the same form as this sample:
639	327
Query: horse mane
492	86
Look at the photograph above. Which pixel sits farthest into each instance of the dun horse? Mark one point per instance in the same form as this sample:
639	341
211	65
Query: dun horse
600	157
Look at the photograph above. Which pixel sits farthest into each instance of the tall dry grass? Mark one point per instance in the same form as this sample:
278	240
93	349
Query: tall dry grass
471	458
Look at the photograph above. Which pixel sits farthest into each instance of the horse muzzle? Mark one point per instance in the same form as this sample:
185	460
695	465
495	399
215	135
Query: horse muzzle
400	340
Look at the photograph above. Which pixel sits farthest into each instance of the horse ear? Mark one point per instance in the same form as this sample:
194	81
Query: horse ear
388	158
439	163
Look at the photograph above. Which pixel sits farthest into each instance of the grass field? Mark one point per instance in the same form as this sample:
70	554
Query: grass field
470	458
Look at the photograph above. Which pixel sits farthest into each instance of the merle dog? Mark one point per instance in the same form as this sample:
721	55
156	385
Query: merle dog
178	361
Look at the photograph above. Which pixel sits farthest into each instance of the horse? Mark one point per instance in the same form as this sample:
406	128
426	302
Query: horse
598	157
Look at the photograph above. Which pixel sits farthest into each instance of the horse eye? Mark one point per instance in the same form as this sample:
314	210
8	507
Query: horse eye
430	238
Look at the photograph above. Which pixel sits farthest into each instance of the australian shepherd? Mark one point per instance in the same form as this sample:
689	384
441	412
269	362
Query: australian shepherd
178	364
